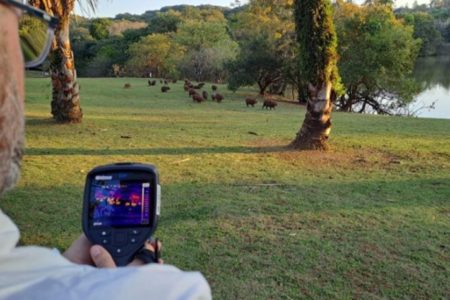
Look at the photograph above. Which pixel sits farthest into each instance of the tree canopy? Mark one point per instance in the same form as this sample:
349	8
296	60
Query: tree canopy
377	54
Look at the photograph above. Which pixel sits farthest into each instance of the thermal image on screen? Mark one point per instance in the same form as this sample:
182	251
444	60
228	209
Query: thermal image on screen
120	203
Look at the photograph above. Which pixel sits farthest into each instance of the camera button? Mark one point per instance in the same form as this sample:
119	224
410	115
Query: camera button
104	233
118	251
133	240
135	231
105	241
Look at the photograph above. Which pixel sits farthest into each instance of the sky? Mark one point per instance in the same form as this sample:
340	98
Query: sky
110	8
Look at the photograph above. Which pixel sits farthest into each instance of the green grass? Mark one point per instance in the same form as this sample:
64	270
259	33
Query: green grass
368	219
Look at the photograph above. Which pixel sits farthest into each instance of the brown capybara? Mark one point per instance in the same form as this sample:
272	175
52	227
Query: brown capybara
205	95
269	104
197	98
166	82
127	86
218	97
150	83
250	102
201	84
186	88
214	87
192	92
165	89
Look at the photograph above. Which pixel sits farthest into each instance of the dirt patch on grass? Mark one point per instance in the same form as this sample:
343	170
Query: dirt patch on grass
342	158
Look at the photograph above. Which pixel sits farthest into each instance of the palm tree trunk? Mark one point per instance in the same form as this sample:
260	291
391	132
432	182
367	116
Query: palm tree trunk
316	128
65	95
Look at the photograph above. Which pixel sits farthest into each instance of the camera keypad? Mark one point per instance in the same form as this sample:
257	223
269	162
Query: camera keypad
135	231
120	238
119	251
105	241
133	240
105	233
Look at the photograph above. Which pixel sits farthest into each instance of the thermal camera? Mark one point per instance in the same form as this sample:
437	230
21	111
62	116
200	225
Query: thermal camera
121	208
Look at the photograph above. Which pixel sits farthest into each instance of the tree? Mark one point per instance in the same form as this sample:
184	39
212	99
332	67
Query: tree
447	33
425	29
65	105
166	22
265	31
208	44
99	28
198	34
156	53
257	62
208	63
377	55
318	62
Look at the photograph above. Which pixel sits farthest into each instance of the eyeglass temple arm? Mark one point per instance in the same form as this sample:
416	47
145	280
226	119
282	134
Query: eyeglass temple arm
52	21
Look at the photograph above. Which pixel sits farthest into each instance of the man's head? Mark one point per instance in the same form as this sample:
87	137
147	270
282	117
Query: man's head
11	98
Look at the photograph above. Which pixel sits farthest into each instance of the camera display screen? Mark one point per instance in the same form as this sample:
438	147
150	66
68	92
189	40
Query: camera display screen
119	203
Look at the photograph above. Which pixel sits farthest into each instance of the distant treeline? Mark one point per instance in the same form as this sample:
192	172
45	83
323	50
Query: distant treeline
256	44
431	24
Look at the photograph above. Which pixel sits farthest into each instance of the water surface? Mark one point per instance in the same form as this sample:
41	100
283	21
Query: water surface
433	74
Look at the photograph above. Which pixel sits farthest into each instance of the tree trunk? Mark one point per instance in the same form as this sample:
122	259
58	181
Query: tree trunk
302	94
316	127
262	87
278	87
65	95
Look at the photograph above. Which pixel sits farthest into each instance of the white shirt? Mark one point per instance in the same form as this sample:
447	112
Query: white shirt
40	273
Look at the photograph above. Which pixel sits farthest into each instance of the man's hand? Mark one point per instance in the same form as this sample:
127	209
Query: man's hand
84	253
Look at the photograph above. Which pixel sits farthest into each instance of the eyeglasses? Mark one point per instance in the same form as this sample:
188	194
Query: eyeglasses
36	31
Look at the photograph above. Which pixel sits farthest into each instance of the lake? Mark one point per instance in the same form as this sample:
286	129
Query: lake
433	73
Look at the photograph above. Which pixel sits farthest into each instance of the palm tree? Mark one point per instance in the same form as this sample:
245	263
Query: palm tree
65	95
318	63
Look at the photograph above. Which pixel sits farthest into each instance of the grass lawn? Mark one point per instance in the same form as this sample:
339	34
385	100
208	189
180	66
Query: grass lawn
369	219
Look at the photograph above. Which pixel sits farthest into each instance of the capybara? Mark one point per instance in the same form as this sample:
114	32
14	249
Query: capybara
164	89
127	86
197	98
250	101
269	104
214	87
192	92
218	97
205	95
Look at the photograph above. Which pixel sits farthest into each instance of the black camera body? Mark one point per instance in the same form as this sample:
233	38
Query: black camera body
121	208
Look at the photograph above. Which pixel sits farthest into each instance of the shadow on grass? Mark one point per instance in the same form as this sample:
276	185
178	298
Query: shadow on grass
156	151
40	121
202	202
